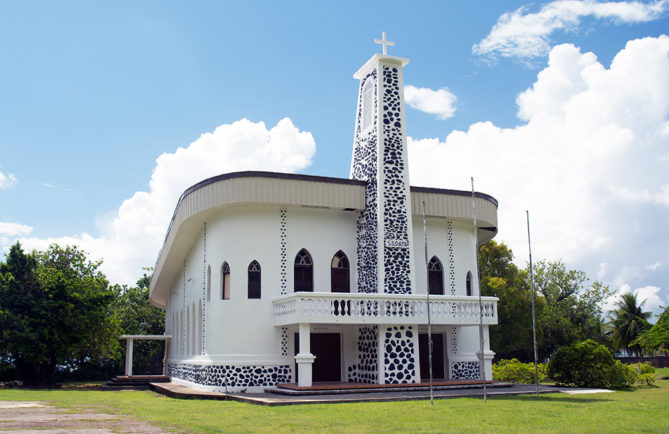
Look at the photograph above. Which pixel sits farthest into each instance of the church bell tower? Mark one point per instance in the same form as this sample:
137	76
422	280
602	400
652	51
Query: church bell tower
385	250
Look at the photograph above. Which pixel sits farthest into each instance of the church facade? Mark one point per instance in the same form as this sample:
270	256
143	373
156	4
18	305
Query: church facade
273	278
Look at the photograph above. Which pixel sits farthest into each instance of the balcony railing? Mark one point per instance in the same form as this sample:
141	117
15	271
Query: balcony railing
339	308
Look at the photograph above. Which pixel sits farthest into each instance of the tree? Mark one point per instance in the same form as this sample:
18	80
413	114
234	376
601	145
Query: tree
655	338
628	320
572	307
54	312
512	337
138	317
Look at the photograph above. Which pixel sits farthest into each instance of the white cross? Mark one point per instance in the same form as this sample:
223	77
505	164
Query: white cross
385	43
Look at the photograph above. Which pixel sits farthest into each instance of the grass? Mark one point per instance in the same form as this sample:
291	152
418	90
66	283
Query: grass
641	409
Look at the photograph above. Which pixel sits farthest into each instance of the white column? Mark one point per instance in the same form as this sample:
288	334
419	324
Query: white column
304	358
128	357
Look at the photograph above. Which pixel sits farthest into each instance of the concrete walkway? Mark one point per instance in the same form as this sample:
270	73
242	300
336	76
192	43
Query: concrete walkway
184	392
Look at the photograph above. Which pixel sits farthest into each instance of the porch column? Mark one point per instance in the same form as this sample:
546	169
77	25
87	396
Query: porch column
128	357
304	358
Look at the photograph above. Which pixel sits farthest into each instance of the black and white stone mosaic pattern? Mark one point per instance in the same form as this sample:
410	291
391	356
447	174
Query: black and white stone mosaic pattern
284	341
465	371
396	261
364	168
229	375
451	257
204	288
283	215
399	358
366	370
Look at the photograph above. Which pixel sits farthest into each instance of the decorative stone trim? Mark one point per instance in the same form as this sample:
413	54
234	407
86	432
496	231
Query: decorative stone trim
365	371
204	288
465	371
399	359
229	376
283	224
284	341
396	261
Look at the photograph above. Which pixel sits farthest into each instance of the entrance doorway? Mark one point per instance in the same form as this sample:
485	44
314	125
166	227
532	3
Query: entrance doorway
437	356
327	349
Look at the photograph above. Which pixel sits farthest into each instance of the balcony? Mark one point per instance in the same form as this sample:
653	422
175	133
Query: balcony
341	308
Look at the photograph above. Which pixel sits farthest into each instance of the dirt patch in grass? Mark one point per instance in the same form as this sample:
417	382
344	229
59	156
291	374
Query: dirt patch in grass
35	415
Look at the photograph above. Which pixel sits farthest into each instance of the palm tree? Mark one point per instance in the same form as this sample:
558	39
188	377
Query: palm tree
628	320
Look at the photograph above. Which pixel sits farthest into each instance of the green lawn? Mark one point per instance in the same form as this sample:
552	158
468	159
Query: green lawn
643	409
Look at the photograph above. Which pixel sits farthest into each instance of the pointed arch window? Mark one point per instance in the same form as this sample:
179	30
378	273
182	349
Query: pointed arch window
304	272
367	108
340	273
468	283
225	281
208	282
435	273
254	279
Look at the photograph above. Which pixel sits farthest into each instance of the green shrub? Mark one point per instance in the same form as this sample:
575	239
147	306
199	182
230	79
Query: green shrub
517	372
645	373
621	375
589	364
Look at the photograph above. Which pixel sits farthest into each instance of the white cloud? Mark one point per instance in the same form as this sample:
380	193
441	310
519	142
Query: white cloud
522	34
47	185
7	181
134	236
651	297
436	102
10	231
588	131
660	197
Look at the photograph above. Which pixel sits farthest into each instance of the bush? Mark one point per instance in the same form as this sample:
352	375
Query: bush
645	373
589	364
517	372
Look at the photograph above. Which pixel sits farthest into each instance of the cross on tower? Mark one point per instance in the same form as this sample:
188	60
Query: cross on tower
383	41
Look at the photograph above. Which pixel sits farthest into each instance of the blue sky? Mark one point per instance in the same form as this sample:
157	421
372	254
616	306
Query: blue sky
92	93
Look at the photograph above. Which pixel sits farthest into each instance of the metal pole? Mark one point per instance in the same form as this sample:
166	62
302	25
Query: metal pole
478	284
534	326
429	322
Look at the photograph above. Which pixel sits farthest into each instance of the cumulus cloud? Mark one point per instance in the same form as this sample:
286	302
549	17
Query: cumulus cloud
436	102
651	296
588	133
134	235
10	231
526	35
7	181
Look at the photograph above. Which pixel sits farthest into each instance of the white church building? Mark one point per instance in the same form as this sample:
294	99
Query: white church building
273	278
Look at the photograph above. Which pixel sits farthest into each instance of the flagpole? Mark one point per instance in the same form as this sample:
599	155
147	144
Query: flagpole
534	327
478	284
429	322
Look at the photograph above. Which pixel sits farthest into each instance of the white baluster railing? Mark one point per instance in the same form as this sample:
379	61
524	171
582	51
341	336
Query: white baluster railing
326	307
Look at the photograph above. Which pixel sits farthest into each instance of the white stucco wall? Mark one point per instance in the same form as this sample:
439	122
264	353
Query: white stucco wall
240	330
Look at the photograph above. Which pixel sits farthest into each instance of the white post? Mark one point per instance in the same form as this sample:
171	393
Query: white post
128	357
304	358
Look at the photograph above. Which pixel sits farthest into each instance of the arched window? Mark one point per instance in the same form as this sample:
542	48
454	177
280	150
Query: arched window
469	283
225	281
193	330
367	108
208	282
199	329
304	272
254	279
435	274
187	343
339	273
